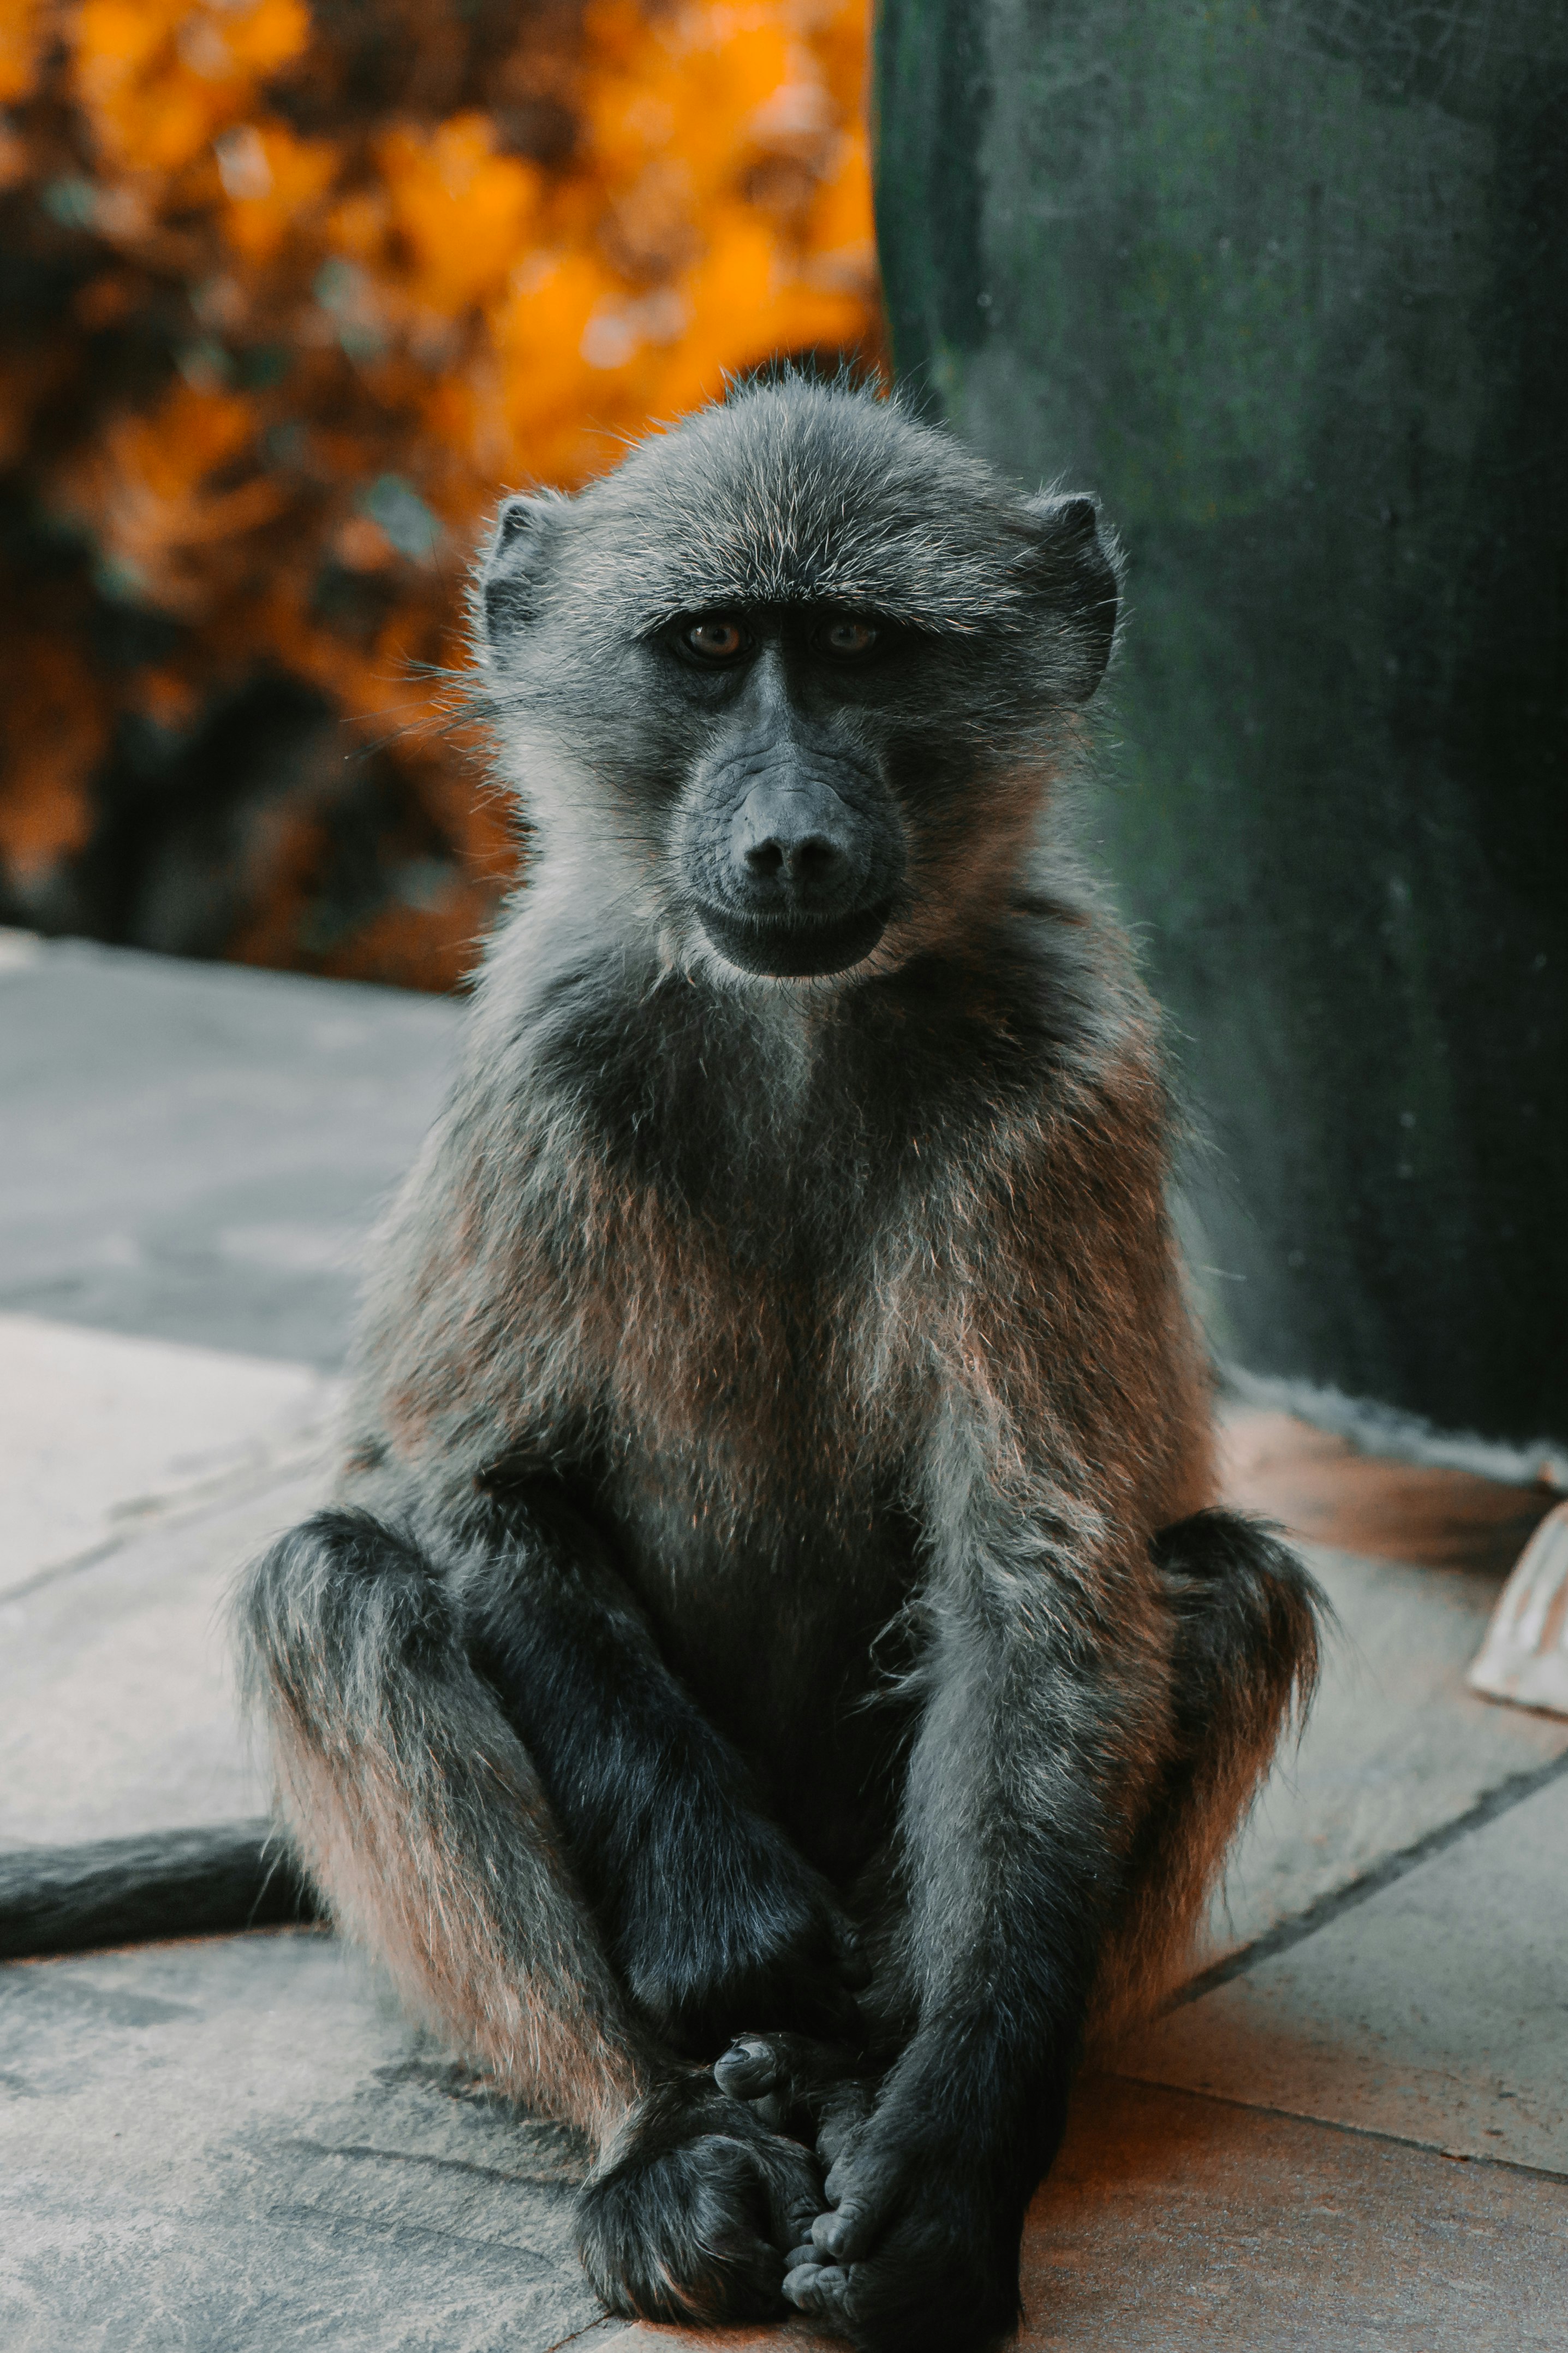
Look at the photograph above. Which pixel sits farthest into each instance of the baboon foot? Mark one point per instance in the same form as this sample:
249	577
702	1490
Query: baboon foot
692	2210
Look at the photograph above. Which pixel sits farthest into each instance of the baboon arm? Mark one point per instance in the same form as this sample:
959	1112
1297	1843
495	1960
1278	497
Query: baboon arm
1045	1699
1068	1415
1014	1834
1014	1831
704	1901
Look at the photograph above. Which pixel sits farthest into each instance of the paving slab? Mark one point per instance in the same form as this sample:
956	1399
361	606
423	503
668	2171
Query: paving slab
650	2337
1435	2009
195	1152
317	2197
236	2146
100	1433
1181	2224
117	1711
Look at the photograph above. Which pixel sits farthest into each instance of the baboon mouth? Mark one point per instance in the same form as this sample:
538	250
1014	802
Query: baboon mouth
796	951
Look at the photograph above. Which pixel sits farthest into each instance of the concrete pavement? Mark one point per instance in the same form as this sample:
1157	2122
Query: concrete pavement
1354	2134
193	1151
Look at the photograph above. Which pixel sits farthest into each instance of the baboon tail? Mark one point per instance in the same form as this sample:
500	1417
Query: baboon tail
1249	1616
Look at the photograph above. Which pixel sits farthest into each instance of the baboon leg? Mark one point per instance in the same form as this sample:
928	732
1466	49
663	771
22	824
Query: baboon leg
1244	1662
420	1816
715	1922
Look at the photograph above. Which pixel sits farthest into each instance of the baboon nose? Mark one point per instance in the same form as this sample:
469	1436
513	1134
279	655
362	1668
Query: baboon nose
794	844
811	857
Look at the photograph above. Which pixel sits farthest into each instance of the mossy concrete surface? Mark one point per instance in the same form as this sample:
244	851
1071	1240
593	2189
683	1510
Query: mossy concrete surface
1272	279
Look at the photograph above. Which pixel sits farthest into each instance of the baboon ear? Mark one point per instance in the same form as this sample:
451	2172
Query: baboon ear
1075	568
512	569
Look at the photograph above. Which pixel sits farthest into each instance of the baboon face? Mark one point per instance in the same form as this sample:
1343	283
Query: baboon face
788	687
788	840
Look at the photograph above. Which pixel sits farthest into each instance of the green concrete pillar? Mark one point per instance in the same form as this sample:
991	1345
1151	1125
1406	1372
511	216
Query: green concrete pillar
1286	284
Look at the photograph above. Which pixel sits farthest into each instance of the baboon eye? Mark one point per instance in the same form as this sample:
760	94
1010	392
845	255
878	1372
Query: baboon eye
717	640
846	638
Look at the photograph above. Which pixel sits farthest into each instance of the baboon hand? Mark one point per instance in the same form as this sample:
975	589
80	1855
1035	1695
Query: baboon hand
688	2215
746	1931
811	2090
910	2256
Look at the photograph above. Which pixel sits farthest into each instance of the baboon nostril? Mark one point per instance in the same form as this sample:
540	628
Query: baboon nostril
810	859
802	862
814	858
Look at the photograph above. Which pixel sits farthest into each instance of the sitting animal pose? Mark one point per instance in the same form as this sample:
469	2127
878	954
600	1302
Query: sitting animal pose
774	1675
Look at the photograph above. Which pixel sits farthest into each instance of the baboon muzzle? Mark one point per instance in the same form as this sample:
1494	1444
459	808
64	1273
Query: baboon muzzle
795	876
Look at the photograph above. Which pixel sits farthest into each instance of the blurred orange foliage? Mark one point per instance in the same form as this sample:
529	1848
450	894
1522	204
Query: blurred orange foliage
300	288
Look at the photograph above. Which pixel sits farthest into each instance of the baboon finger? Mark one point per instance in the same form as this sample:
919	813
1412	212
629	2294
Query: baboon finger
815	2286
752	2066
847	2233
797	2069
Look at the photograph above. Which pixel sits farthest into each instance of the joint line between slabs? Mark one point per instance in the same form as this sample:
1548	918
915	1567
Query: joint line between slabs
1338	1900
1341	2124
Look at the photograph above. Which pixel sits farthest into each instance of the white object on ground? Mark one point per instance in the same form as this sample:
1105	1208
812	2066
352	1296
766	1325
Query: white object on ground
18	949
1525	1656
99	1432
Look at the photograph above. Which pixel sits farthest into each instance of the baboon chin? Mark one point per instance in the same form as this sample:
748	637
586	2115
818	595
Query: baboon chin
774	1676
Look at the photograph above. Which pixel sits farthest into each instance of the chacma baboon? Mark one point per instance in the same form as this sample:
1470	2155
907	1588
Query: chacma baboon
774	1596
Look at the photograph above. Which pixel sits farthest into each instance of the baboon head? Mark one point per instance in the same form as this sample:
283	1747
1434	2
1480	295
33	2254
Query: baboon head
783	692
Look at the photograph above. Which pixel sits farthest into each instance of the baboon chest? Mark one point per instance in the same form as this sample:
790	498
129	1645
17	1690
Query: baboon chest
758	1508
